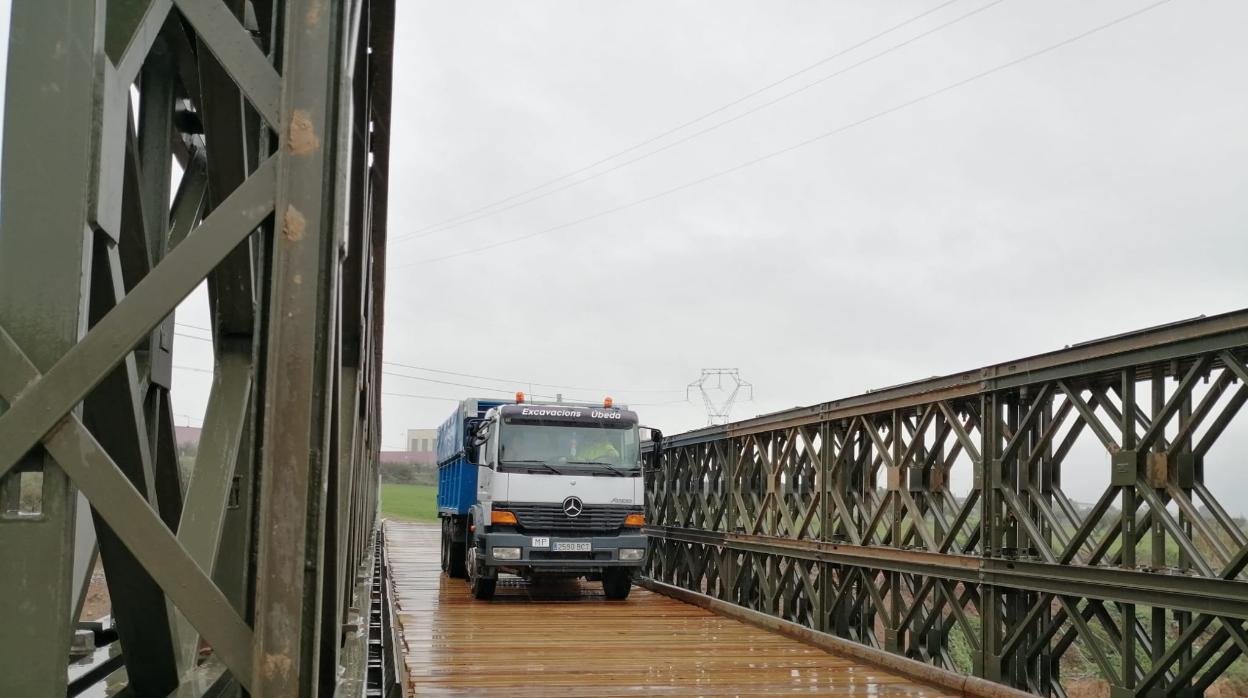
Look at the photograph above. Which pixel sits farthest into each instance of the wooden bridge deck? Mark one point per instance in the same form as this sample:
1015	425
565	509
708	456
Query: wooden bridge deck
569	641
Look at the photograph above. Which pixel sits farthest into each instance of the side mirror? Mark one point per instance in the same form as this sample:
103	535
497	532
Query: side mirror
474	436
656	448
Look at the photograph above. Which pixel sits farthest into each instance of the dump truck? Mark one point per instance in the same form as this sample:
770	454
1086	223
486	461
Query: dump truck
542	490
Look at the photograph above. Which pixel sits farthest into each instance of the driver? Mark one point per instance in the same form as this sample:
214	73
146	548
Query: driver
597	448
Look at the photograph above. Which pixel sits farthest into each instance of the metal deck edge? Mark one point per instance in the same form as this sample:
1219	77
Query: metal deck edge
910	668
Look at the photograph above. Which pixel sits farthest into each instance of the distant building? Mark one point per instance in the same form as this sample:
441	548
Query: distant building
422	441
421	458
422	448
187	436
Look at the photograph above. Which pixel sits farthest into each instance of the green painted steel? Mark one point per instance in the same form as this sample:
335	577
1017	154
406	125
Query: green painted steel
43	306
247	575
841	516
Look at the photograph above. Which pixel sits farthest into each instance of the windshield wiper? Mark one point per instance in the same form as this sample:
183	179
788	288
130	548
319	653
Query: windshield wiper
542	463
612	468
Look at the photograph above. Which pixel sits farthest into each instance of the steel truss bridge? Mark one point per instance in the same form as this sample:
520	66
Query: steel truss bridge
273	117
838	522
153	145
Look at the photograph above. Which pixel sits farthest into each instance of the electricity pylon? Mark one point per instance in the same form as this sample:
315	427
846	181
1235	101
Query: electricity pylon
717	413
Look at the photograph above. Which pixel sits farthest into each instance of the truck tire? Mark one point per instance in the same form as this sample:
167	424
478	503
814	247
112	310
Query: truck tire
455	567
616	583
482	588
443	554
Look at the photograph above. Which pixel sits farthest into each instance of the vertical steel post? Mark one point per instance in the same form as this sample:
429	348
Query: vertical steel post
1130	464
988	664
827	453
1157	622
46	242
893	636
298	391
1183	619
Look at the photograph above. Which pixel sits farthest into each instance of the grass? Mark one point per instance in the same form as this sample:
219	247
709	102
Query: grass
409	502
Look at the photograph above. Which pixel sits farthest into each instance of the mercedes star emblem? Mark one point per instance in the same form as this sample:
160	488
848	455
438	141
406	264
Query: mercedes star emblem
573	507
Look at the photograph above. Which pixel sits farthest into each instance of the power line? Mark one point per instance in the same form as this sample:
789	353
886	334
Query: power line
191	336
421	397
455	399
400	375
504	390
524	382
801	144
397	375
460	385
471	375
656	404
470	217
438	397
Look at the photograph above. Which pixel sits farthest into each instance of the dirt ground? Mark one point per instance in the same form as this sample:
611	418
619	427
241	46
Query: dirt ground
97	604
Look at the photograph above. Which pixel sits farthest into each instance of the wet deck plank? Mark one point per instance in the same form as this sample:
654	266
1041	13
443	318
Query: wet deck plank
569	641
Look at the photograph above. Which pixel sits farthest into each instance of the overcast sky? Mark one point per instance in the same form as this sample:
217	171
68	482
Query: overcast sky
1092	190
1096	189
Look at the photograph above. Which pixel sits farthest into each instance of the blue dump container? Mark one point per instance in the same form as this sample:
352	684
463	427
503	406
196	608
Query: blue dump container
457	474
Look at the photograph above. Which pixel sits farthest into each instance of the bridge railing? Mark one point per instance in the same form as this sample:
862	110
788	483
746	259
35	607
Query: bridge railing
1040	523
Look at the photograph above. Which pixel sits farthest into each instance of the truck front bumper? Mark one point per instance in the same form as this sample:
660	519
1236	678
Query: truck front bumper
605	552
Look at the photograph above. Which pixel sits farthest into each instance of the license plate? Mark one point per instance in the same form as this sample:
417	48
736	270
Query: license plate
543	542
568	546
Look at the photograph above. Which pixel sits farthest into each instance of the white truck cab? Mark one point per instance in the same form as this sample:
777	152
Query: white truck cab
559	493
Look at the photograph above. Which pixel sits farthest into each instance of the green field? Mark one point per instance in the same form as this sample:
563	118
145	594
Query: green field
409	502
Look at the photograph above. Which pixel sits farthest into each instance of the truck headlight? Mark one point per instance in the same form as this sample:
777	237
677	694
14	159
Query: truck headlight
506	553
631	554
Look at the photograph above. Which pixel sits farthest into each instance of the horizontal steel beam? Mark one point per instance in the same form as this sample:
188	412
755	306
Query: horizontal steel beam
1221	597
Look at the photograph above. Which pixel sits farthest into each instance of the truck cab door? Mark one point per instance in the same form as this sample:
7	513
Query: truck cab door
487	464
485	483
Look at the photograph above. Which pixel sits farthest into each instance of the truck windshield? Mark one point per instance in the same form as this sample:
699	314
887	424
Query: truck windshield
570	448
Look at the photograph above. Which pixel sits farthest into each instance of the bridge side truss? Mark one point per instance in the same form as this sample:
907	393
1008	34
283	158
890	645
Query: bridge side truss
841	517
151	146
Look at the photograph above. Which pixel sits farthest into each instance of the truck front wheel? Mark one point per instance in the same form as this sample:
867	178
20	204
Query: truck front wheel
482	587
452	551
455	567
446	545
616	583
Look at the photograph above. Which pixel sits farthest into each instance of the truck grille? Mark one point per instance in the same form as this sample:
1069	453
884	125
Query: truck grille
597	518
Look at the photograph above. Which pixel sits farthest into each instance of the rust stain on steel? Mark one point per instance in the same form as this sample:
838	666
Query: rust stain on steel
276	666
301	136
294	225
313	16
